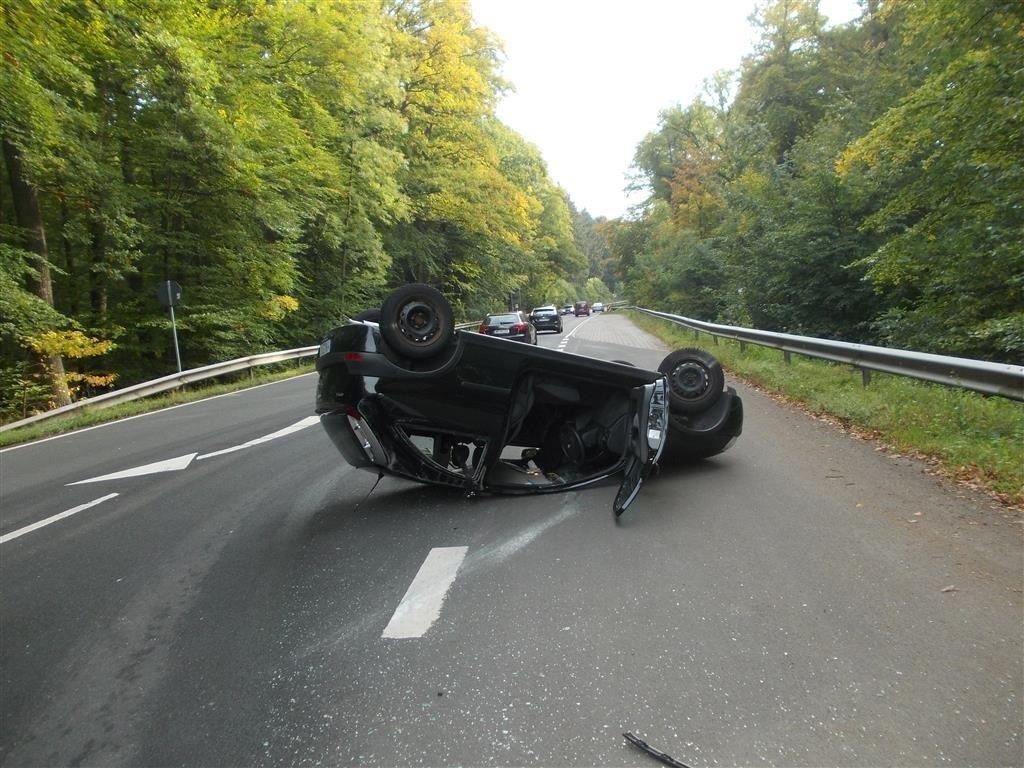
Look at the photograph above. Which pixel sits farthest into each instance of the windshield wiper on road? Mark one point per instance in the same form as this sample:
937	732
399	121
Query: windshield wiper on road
660	756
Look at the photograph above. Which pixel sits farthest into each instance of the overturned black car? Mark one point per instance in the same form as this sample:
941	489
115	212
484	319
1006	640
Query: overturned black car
401	392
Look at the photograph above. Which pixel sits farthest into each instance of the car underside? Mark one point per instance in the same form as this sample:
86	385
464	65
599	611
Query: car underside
484	414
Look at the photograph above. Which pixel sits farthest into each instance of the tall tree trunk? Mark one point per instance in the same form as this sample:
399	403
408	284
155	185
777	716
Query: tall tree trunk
30	220
70	263
98	275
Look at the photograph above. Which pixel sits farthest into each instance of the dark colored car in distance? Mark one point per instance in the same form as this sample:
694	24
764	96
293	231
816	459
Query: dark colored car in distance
407	395
546	319
581	308
509	325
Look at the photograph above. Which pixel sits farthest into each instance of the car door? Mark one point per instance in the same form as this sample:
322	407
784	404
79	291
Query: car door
647	440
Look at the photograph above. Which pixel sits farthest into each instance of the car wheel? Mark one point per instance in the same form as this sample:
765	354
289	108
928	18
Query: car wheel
417	321
695	380
368	315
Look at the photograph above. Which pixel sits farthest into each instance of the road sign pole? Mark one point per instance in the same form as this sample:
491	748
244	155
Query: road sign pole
174	331
169	294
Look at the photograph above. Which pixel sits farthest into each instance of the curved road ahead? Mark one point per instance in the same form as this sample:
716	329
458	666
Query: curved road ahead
803	599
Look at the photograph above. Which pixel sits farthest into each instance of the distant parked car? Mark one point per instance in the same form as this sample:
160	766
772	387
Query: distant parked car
567	309
581	308
598	306
509	325
546	319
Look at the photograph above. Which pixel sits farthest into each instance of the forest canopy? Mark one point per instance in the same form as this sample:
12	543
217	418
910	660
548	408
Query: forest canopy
288	162
865	182
284	162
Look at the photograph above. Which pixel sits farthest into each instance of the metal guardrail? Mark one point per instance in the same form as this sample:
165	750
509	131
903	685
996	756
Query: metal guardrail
165	383
1000	379
175	380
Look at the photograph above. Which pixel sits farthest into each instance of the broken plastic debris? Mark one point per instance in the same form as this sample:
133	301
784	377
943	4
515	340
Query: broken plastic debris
657	755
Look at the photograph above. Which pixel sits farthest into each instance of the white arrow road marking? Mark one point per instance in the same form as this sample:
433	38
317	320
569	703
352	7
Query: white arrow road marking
422	603
167	465
299	425
181	462
75	510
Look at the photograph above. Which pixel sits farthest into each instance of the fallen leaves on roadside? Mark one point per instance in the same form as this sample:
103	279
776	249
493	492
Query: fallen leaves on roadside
965	475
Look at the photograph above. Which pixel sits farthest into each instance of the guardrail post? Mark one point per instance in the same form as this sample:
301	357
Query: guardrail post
865	376
743	346
787	357
714	339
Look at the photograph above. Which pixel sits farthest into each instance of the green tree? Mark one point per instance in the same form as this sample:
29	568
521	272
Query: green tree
783	89
286	162
593	245
464	211
792	241
596	290
946	164
40	68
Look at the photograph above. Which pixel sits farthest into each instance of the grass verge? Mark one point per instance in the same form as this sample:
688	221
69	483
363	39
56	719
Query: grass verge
91	416
977	440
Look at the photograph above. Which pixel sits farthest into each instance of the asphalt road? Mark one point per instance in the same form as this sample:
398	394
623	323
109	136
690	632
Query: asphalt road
803	599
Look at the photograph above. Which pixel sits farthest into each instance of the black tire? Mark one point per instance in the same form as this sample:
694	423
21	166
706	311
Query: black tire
695	380
417	321
368	315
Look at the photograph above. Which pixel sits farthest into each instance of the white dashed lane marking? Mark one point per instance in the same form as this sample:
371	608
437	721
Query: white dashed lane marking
422	603
53	519
565	339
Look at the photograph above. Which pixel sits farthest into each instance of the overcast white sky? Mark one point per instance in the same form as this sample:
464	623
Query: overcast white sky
591	76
